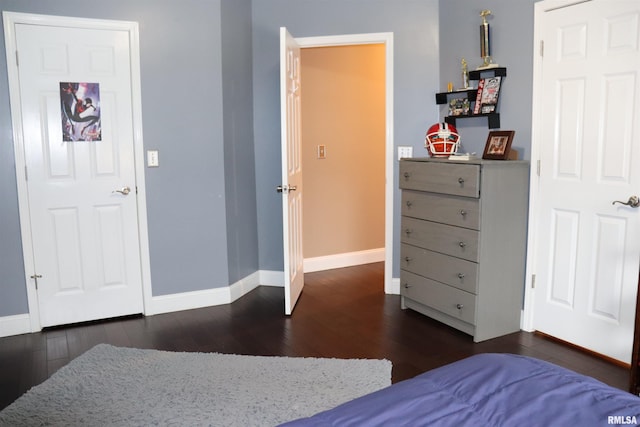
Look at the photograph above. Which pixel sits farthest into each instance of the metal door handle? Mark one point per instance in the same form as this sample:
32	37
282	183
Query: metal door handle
286	188
123	190
634	202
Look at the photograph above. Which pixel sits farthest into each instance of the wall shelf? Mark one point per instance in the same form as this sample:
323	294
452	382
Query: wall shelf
493	119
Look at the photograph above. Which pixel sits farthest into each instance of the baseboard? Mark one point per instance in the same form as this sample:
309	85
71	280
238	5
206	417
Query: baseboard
205	298
15	325
348	259
271	278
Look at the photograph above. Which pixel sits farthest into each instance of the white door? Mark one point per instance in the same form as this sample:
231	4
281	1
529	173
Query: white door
291	187
588	137
82	186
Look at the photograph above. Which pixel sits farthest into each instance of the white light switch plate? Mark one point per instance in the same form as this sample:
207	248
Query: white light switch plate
404	152
152	159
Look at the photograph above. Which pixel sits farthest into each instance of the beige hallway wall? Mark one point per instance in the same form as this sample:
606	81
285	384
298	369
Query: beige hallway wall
343	108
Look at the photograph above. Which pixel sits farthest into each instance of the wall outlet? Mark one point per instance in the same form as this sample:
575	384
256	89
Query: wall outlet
405	152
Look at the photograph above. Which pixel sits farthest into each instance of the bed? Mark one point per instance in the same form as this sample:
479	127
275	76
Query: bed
488	390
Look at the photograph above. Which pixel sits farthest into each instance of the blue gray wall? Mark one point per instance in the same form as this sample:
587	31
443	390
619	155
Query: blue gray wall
240	177
182	44
512	47
210	106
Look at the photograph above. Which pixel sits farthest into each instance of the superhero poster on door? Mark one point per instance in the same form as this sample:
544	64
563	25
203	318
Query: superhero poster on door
80	107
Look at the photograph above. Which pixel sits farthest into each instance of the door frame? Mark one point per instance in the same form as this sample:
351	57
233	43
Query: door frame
387	40
10	19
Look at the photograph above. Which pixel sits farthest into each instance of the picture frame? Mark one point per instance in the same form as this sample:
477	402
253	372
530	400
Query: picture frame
498	145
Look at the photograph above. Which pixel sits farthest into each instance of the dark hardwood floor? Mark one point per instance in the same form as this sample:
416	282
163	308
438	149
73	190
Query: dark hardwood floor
342	313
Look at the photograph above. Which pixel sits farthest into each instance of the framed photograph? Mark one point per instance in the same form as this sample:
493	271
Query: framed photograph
498	145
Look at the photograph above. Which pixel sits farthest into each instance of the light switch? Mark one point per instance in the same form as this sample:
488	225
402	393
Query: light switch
322	152
152	159
405	152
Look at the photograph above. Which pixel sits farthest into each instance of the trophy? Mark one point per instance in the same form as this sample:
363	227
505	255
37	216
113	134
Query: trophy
465	74
485	42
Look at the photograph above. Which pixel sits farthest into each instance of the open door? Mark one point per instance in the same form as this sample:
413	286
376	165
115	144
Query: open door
291	187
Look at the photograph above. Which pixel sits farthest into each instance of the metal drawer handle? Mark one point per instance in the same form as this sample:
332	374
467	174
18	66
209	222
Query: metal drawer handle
459	306
408	259
407	286
407	175
462	244
460	275
463	212
461	180
408	232
409	203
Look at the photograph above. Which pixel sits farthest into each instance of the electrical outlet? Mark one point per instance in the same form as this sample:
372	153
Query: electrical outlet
405	152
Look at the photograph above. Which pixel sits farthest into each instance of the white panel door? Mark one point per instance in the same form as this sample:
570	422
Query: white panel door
589	136
291	187
81	192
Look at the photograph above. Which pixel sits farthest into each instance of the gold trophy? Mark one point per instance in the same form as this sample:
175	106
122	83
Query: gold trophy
485	42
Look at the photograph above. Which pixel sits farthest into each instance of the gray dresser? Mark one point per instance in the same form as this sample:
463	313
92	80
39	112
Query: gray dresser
463	240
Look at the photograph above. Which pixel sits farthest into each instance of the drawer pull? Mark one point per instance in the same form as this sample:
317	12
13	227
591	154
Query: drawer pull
462	244
463	212
409	203
407	232
408	259
461	180
459	306
407	286
461	276
407	175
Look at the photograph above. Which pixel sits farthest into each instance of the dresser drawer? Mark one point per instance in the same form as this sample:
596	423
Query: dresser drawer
446	239
453	271
452	210
444	298
445	178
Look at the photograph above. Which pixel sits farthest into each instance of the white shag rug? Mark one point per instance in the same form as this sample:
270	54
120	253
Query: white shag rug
116	386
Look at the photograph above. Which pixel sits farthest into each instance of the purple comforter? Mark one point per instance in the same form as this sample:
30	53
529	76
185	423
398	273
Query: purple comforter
488	390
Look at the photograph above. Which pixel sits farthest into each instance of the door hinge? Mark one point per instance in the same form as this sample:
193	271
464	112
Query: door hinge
533	281
542	48
35	278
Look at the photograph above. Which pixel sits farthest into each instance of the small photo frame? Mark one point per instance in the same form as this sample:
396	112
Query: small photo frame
498	145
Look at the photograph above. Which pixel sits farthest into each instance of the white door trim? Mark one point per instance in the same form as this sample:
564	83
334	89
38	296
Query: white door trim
387	40
10	19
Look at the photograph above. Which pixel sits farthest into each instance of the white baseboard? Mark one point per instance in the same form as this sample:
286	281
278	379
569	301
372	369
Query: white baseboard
204	298
15	325
271	278
348	259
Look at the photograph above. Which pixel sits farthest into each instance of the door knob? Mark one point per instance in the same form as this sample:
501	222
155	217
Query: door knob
634	202
123	190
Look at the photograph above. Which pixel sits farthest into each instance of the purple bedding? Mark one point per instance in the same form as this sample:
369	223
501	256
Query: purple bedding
488	390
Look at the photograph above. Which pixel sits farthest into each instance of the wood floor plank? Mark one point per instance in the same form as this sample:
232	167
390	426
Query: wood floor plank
342	313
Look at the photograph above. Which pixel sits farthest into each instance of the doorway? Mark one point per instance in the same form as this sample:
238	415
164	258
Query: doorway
385	40
343	149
